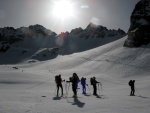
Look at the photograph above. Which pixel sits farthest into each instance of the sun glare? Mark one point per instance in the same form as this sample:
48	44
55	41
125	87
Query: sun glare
63	9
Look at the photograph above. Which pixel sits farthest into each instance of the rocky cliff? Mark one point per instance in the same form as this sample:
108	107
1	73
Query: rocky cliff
139	31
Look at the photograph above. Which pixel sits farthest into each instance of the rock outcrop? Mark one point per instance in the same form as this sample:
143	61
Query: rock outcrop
139	31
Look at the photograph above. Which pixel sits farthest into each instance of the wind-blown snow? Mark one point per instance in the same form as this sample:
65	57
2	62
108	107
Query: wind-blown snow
30	87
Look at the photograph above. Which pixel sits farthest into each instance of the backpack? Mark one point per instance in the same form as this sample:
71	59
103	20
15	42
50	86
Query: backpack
57	79
91	81
75	77
130	82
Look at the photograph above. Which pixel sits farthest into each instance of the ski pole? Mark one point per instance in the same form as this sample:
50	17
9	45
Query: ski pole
89	89
55	90
67	90
137	92
64	86
99	88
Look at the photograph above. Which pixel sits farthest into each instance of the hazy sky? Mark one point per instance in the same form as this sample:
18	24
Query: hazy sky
113	14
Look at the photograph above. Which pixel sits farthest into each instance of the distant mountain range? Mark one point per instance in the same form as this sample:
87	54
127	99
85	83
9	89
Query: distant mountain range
35	40
36	36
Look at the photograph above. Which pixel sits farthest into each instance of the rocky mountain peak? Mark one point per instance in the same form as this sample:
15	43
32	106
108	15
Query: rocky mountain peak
139	31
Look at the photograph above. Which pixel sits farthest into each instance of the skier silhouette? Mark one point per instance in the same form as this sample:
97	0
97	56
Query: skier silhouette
74	80
59	81
94	83
131	84
83	83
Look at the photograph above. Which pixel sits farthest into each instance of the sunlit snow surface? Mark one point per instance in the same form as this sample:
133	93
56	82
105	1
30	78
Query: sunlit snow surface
30	87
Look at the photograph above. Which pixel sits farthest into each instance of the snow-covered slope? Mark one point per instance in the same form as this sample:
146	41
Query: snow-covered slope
29	40
30	87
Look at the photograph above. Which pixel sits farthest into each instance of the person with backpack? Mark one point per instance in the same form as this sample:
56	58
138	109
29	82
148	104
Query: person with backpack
83	83
59	81
74	80
131	84
94	83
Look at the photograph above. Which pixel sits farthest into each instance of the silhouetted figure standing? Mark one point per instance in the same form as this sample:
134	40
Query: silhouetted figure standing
131	84
59	81
94	83
74	80
83	83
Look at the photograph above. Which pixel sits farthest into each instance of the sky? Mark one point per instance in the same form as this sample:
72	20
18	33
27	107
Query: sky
65	15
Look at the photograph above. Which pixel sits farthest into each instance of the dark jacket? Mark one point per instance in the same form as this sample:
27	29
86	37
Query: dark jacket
95	82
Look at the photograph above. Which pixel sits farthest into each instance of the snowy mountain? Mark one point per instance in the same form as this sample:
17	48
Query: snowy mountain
29	87
27	71
31	37
139	31
26	42
92	36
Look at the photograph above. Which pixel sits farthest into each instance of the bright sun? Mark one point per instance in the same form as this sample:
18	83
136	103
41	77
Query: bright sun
63	9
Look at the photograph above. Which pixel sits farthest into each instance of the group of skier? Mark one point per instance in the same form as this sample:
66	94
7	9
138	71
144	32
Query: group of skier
75	80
